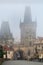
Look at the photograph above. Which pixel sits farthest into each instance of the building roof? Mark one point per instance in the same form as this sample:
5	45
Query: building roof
27	15
40	38
5	47
8	48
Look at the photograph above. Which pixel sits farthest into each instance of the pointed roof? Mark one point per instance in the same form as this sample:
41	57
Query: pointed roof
27	15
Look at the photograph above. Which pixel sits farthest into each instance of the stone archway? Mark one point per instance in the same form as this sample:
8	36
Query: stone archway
18	55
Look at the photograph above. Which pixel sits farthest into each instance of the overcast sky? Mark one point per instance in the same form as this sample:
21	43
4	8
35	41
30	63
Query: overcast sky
21	1
13	10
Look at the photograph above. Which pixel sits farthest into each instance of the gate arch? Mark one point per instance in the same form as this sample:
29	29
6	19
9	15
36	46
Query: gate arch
19	54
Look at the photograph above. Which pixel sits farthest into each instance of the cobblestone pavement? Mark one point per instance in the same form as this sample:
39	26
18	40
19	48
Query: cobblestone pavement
21	62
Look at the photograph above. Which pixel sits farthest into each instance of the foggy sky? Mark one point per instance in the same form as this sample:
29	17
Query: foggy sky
21	1
13	12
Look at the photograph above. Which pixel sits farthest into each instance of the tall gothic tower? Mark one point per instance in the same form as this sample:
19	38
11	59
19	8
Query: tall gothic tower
28	28
6	35
27	15
5	28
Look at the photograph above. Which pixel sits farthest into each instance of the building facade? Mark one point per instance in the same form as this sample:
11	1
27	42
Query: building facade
6	36
38	44
28	28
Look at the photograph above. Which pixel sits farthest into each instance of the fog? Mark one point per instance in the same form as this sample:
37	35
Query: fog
13	11
21	1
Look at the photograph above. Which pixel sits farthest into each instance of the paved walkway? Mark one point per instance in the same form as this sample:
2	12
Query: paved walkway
21	63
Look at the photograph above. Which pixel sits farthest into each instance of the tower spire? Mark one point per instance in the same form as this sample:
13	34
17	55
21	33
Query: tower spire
27	15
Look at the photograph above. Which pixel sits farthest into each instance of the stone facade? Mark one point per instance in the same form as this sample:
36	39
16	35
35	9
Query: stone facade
6	36
39	44
28	28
